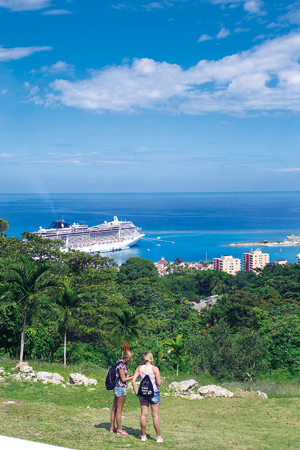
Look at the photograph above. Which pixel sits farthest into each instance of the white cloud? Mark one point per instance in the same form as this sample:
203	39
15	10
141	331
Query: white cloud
288	169
3	92
251	6
24	5
292	16
223	33
241	30
264	78
204	37
58	67
56	12
33	94
6	155
9	54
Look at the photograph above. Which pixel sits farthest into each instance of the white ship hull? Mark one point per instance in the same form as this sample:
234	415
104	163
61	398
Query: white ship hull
104	247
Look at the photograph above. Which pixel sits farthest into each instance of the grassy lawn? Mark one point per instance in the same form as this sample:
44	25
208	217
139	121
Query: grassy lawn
78	417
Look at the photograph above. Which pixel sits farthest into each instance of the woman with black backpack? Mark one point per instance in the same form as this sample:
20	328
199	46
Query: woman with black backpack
148	393
121	379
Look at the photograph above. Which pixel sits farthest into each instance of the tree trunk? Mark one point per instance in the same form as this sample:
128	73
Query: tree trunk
23	337
65	348
177	369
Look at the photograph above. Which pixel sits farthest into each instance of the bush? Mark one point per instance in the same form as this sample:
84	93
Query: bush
41	343
228	356
79	352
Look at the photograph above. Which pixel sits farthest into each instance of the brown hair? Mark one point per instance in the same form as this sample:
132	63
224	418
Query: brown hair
148	357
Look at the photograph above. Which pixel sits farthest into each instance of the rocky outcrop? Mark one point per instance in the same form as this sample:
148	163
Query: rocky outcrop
262	394
214	391
195	397
78	378
183	386
48	377
26	372
20	366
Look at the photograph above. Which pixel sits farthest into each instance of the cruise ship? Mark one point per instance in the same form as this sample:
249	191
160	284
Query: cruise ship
107	237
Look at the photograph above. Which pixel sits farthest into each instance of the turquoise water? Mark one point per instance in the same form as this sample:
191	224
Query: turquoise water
197	223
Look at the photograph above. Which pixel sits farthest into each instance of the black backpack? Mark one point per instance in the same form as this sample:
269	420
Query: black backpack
110	381
146	387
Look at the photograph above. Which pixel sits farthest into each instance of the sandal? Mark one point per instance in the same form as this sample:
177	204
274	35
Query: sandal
122	432
113	430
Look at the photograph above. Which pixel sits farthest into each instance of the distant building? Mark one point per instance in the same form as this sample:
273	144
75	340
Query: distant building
280	262
255	259
227	264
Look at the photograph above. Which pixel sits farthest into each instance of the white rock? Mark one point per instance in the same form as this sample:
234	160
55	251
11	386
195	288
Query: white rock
173	385
63	385
262	394
88	407
166	394
78	378
214	391
20	366
53	378
183	386
195	397
92	389
91	382
105	409
8	403
1	379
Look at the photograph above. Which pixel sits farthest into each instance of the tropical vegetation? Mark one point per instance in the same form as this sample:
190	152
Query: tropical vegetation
73	307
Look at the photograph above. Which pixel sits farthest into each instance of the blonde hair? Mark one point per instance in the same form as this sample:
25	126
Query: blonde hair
127	354
148	357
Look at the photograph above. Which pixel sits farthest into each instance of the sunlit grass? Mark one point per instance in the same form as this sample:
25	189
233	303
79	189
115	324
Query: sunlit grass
78	417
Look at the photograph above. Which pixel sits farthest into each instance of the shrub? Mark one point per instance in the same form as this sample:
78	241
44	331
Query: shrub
228	356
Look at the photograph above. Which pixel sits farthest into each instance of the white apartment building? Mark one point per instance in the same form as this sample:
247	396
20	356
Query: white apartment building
280	262
255	259
227	264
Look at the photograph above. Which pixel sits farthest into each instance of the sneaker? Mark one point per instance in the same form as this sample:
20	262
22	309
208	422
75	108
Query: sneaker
159	439
143	437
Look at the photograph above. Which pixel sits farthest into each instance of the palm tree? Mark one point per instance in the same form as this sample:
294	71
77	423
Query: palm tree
67	304
218	287
30	280
126	322
177	348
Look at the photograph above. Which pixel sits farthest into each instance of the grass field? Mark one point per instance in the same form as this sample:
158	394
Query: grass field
78	417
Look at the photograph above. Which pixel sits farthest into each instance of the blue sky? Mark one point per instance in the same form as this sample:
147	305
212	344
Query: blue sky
139	96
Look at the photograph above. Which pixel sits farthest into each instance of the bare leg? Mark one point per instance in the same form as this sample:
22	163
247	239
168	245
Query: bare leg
113	413
154	411
120	404
144	412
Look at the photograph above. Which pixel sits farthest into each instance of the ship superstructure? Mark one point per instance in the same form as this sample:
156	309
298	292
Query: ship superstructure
106	237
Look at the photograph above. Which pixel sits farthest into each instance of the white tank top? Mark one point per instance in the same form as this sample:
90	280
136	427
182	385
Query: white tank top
147	370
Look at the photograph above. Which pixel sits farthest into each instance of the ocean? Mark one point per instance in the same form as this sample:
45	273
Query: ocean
201	225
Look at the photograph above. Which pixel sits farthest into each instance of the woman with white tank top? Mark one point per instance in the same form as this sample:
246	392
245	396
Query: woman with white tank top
148	368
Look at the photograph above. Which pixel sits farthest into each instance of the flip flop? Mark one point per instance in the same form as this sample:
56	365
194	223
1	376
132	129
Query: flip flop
122	432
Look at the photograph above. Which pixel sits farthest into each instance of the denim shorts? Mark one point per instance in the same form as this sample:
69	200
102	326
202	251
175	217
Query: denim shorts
119	391
152	400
